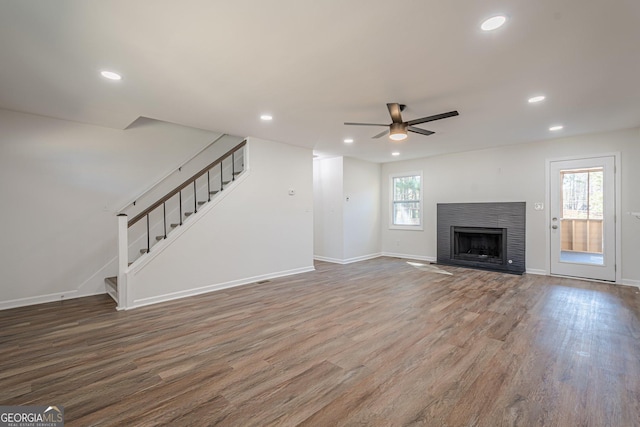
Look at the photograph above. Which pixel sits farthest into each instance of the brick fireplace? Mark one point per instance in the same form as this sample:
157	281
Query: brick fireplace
482	235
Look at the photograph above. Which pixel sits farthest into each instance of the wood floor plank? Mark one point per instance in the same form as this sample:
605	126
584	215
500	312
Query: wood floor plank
379	343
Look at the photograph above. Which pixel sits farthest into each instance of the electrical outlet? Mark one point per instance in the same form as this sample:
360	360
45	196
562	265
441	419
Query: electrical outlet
539	206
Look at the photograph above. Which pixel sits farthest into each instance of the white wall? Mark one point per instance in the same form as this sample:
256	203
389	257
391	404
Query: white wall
328	214
362	210
60	184
512	174
256	230
346	230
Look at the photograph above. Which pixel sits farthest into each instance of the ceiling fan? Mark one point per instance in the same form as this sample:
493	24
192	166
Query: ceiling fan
398	128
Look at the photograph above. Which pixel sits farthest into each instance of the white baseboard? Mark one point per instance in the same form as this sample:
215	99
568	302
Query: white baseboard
43	299
630	282
536	271
348	260
215	287
327	259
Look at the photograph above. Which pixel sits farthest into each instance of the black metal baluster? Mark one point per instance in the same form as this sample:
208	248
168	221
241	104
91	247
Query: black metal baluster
195	198
221	182
148	236
164	218
233	166
180	206
208	187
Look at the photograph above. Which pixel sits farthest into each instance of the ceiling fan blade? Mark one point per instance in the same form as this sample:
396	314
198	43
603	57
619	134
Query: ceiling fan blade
418	130
364	124
432	118
381	134
395	111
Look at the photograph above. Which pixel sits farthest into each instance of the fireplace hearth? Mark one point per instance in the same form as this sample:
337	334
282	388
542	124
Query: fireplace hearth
482	235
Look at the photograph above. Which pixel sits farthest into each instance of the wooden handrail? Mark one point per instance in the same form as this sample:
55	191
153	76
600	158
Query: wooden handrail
161	180
185	184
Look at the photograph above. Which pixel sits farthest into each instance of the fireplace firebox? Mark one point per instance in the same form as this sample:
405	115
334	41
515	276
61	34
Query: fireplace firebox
479	244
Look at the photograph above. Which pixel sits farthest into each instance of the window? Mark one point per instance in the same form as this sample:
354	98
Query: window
582	193
406	205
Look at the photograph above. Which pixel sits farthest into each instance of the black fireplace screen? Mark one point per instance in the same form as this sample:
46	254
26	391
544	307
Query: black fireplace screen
479	244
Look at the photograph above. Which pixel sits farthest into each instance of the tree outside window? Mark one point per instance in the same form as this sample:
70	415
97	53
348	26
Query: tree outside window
582	192
407	200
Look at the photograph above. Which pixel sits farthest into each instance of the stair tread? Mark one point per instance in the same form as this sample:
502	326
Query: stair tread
112	287
144	251
188	213
214	192
174	225
201	203
158	238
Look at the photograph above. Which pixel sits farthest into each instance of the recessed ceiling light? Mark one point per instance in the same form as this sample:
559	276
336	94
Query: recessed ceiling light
556	128
493	23
111	75
266	117
535	99
348	141
395	153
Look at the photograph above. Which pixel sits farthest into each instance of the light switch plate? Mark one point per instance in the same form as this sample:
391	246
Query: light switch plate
539	206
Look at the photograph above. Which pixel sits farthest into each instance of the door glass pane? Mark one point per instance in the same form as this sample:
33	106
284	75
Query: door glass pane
581	224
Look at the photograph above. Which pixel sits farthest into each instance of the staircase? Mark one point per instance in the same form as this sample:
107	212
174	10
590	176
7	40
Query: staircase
173	210
112	287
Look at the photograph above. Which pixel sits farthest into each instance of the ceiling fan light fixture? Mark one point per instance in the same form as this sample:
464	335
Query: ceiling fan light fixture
397	132
398	128
398	136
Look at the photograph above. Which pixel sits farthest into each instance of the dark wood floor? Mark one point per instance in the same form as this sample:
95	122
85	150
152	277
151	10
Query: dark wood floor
376	343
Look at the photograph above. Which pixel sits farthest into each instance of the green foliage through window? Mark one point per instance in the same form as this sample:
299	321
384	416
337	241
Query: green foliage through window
407	200
582	192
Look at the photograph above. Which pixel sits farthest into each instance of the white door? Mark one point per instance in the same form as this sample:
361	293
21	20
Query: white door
582	218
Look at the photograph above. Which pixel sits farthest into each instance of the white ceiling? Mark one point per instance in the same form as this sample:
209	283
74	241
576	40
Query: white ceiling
314	64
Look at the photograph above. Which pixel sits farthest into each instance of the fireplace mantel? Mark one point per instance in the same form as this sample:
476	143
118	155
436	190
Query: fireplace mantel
507	216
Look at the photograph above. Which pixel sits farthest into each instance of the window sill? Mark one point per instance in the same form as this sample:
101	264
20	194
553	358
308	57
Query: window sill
407	227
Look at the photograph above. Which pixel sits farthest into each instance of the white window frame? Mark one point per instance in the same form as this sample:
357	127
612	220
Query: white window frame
393	226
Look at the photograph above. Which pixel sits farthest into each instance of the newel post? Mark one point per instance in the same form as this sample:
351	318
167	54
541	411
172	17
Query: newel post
123	260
